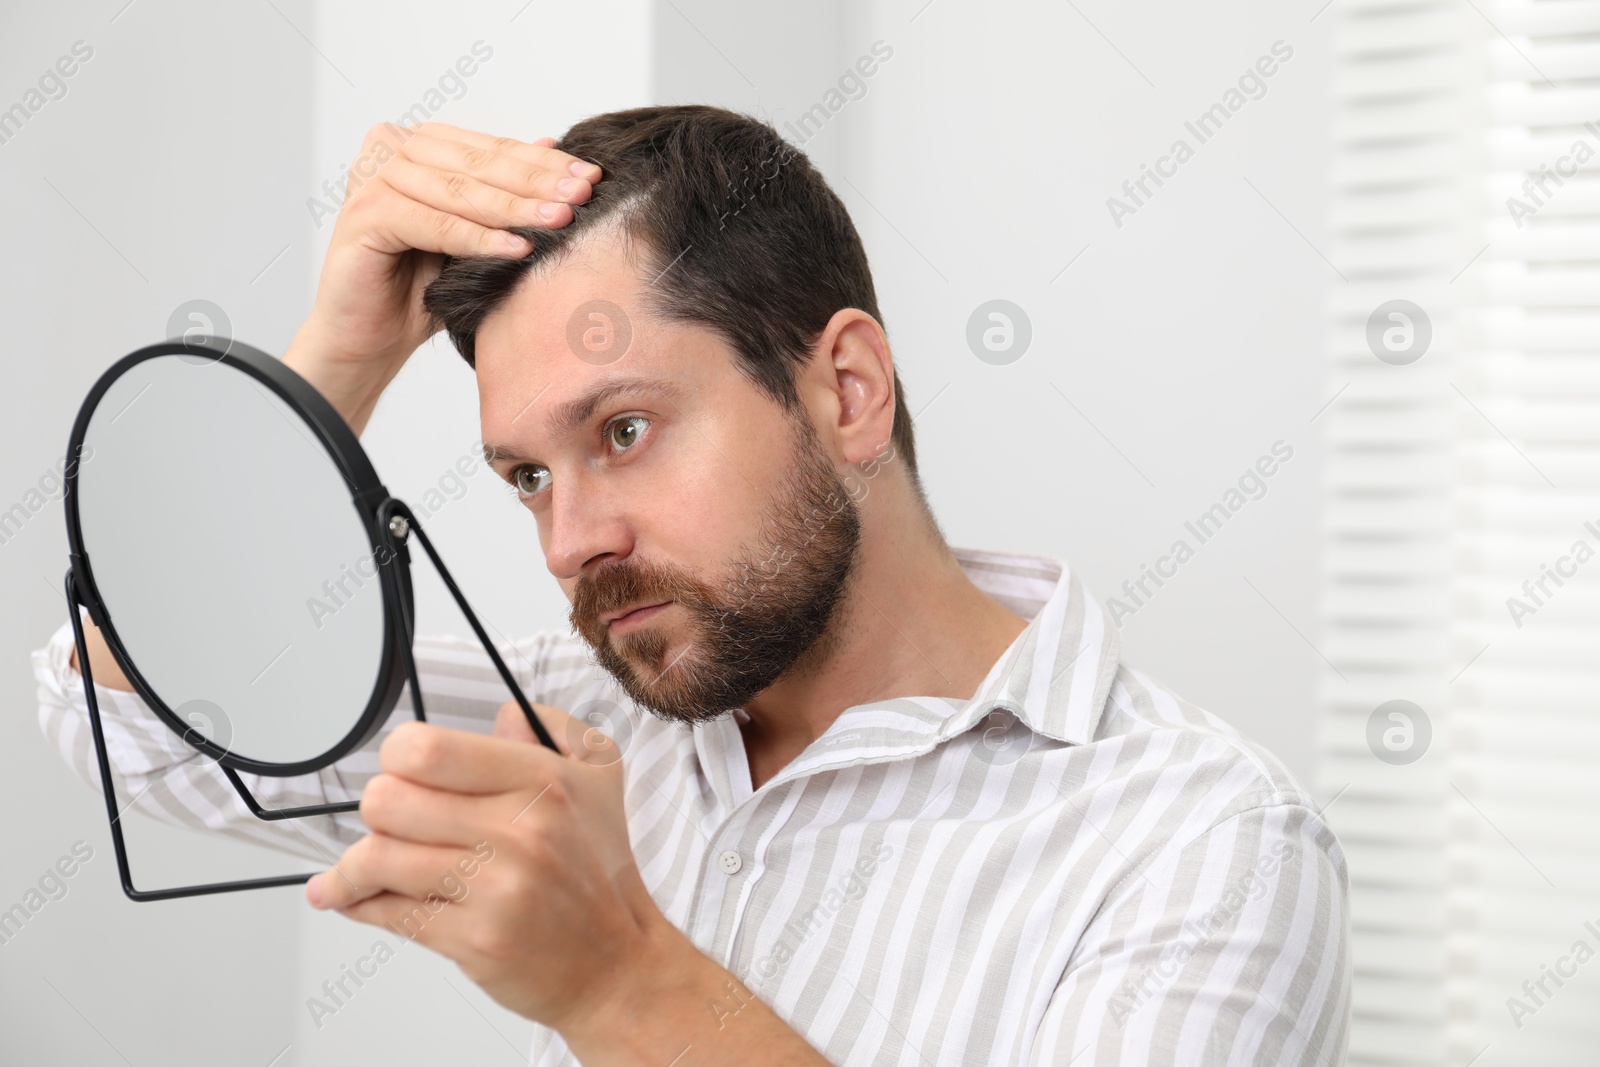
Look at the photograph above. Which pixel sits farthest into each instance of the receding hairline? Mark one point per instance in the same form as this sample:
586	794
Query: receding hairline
617	229
617	226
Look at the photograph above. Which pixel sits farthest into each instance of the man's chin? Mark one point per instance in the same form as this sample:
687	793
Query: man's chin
649	652
664	683
647	666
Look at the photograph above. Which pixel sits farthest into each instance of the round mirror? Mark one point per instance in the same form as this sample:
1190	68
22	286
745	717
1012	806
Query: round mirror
222	517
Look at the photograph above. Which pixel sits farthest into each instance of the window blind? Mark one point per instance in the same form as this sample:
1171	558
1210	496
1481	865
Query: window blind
1460	484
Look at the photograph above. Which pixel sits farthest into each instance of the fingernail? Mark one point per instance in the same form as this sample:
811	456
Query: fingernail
586	171
549	212
314	891
569	186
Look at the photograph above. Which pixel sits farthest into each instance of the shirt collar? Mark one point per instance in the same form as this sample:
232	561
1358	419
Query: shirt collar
1057	674
1055	678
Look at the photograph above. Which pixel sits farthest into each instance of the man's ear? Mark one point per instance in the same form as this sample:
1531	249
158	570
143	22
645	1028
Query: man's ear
857	367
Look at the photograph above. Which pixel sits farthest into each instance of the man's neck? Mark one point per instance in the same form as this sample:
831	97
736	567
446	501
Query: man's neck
911	624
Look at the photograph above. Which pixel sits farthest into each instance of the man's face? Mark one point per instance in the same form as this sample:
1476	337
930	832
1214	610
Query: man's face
660	475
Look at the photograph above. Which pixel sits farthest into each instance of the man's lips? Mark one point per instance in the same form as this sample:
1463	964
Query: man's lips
629	617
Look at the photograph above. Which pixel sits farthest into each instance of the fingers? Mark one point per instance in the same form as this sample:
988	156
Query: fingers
472	198
457	192
402	808
511	175
461	762
409	223
429	923
542	151
379	863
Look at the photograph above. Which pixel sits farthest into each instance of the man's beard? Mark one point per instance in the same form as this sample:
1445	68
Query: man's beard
775	613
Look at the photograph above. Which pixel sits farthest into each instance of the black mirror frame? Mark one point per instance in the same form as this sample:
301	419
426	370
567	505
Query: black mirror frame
389	524
367	495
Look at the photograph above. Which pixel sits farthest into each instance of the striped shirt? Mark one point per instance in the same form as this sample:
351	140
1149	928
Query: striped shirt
1073	866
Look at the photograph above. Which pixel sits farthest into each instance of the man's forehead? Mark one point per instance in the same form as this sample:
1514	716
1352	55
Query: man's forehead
564	327
593	293
574	337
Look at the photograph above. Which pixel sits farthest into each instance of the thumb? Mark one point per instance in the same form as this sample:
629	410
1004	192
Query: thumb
573	737
511	724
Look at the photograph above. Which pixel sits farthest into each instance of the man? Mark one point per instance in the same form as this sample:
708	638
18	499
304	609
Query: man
857	797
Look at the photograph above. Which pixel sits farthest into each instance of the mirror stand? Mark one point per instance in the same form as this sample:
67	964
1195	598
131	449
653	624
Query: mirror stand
397	523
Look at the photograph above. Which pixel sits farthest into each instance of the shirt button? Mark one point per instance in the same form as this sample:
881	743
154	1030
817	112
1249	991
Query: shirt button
730	862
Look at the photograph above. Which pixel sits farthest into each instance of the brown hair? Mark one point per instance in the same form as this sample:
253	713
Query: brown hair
742	233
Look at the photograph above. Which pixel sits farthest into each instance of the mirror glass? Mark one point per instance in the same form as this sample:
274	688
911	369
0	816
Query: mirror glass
231	559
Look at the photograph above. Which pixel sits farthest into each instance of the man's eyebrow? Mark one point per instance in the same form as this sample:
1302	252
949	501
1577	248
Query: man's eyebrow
570	416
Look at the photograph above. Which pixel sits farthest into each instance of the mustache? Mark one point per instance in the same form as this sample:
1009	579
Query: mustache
618	585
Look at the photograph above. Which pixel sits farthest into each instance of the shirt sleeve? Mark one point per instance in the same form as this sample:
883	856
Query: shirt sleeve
1235	950
154	771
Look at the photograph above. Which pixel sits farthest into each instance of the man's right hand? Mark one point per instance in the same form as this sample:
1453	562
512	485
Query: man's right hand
441	191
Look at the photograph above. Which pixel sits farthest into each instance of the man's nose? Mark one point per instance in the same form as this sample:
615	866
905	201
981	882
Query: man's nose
584	526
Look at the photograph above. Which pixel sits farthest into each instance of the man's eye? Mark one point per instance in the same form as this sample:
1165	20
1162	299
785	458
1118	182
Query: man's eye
529	480
625	432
